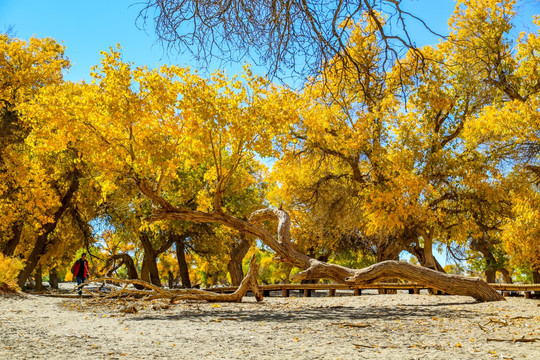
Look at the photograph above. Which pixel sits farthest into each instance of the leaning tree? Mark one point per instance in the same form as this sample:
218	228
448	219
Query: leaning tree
141	126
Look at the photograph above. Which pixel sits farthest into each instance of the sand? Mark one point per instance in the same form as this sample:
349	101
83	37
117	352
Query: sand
399	326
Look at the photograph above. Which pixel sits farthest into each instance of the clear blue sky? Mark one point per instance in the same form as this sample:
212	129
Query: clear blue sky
88	27
85	28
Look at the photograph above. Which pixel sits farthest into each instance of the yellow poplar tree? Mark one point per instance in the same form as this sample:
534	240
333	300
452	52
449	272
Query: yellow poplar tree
36	187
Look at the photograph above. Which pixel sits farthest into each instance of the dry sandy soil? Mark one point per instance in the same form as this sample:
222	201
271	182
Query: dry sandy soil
399	326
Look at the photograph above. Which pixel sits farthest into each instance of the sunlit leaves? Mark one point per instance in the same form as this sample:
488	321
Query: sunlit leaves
411	155
27	192
9	269
520	236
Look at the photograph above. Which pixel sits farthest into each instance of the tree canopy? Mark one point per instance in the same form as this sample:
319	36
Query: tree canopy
141	166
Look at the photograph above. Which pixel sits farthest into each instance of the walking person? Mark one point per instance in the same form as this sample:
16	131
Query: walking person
80	271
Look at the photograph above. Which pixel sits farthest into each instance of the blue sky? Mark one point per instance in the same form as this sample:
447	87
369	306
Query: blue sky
88	27
85	28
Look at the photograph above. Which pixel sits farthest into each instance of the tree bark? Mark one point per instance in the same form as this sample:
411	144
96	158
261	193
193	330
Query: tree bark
36	254
448	283
536	276
420	254
11	245
215	278
145	273
38	273
388	249
506	275
484	245
491	275
127	260
53	277
235	263
182	263
536	279
452	284
428	250
149	270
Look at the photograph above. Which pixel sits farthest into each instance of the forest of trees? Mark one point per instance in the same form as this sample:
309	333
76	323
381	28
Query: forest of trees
162	174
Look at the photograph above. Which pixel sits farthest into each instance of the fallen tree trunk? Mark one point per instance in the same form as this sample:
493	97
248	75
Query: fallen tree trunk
248	283
448	283
315	269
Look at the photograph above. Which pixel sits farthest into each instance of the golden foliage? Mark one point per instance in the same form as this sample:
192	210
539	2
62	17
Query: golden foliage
9	269
410	156
521	235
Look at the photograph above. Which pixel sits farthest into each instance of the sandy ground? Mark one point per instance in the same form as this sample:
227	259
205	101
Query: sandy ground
399	326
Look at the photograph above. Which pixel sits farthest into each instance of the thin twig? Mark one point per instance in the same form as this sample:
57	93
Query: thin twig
515	340
352	325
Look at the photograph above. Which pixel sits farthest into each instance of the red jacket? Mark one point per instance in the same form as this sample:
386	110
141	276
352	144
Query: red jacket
76	266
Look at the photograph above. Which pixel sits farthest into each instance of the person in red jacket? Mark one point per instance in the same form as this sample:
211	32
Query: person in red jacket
80	271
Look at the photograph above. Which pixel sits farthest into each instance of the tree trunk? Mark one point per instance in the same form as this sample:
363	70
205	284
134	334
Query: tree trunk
484	246
536	276
506	275
491	275
145	273
429	259
536	279
452	284
42	241
420	254
439	267
53	277
448	283
215	278
11	245
127	260
171	279
235	271
388	249
235	263
154	272
182	263
38	273
34	257
149	270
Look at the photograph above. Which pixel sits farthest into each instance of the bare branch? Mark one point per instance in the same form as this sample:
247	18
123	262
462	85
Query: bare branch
297	36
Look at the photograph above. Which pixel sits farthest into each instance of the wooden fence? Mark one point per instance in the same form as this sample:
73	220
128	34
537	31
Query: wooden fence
307	289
